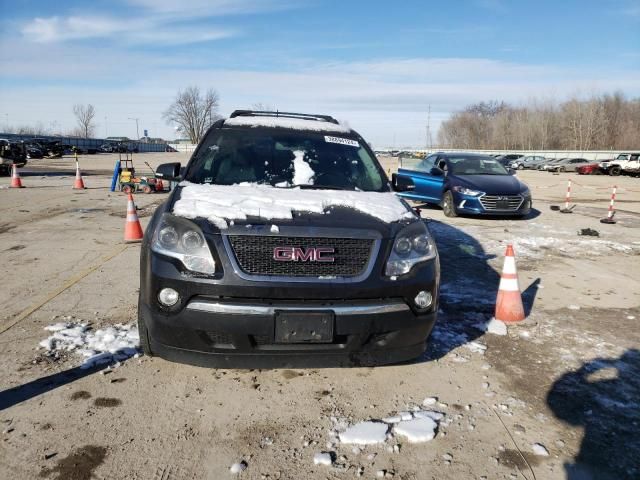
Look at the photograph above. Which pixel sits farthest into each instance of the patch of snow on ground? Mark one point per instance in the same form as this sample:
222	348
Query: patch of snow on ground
476	347
238	467
365	433
222	203
105	345
496	327
540	450
416	430
322	458
535	247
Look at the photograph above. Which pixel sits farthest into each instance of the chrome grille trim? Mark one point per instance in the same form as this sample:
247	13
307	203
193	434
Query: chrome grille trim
373	237
490	202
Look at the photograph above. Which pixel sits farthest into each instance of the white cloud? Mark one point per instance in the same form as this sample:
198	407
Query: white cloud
210	7
148	31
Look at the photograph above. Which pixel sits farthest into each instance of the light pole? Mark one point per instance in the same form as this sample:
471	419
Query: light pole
137	131
106	131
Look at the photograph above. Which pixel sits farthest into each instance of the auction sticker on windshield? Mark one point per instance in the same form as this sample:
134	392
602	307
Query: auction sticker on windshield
341	141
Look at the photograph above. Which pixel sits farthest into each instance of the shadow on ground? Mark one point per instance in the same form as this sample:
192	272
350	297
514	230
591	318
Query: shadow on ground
602	397
21	393
468	290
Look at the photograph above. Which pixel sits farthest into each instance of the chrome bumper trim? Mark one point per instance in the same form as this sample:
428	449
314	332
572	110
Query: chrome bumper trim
249	309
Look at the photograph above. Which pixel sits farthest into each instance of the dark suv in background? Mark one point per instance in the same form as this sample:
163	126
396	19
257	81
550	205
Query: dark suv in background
284	245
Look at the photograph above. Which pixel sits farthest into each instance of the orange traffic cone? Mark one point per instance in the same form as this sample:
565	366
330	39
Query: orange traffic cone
78	184
15	178
132	227
509	308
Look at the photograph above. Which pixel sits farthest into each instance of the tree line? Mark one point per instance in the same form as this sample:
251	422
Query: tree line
601	122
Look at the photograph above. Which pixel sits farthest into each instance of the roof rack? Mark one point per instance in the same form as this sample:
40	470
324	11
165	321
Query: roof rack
302	116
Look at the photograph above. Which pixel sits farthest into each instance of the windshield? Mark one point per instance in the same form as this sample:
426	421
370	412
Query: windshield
474	165
285	159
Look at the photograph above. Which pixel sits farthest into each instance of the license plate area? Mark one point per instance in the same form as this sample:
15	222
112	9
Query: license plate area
502	205
304	327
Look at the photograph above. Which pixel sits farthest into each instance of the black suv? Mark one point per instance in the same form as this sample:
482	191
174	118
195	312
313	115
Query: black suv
284	245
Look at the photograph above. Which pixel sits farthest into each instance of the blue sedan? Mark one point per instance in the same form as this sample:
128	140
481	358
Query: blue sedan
464	183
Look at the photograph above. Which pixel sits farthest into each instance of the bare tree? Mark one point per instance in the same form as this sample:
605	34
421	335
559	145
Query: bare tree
193	113
85	115
597	122
263	107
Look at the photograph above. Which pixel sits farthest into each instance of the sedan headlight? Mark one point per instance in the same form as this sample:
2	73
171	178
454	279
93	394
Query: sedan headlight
412	245
179	238
467	191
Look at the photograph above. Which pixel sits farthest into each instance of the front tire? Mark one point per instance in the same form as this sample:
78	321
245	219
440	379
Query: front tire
448	206
521	167
615	171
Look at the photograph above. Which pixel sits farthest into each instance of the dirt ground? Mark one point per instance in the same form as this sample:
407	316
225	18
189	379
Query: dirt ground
567	378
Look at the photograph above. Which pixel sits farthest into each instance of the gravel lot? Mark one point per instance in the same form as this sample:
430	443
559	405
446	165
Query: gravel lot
568	378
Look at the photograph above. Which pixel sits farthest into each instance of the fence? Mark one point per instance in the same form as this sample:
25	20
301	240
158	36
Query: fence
184	147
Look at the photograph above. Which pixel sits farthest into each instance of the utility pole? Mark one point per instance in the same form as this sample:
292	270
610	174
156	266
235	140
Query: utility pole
106	131
137	131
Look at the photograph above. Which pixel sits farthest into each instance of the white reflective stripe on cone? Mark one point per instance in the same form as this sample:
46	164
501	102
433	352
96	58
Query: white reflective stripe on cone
509	285
132	217
509	265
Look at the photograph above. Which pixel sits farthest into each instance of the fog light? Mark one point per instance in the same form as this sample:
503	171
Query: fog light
168	297
423	299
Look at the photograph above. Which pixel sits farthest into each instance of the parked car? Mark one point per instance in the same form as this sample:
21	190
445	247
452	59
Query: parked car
107	148
283	244
550	163
625	162
506	160
528	162
465	183
589	169
568	165
11	153
34	151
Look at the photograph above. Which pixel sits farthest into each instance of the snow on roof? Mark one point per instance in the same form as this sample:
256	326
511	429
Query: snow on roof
287	122
221	203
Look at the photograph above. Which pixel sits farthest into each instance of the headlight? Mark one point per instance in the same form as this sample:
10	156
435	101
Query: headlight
467	191
179	238
412	245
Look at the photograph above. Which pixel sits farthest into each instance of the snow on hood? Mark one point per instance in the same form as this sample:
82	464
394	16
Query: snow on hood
285	122
222	203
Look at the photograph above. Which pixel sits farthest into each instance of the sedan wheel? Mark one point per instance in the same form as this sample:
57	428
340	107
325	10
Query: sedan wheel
448	206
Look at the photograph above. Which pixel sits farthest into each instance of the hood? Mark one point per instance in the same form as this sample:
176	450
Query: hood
491	184
220	208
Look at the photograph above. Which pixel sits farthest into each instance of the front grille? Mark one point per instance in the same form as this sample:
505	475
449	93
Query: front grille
255	256
501	202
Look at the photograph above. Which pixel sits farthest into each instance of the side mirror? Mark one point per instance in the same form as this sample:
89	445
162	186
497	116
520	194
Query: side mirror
402	184
436	172
169	171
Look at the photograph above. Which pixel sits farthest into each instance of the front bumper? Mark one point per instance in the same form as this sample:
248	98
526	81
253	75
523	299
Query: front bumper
229	321
472	205
240	334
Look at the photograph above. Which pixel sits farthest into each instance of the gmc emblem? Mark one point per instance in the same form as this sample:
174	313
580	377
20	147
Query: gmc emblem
306	254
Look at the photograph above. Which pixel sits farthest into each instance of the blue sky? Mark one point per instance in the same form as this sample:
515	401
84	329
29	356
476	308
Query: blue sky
377	64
